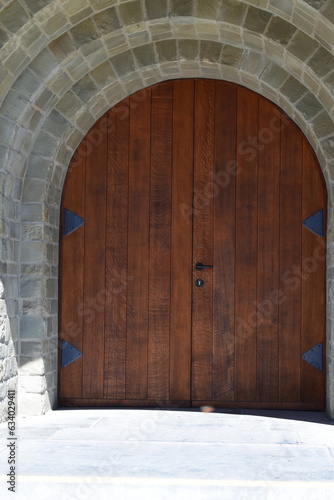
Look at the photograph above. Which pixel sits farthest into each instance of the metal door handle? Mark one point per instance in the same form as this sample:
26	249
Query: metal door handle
199	266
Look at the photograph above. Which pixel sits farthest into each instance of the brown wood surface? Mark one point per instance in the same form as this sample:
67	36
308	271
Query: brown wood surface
202	342
138	242
94	264
116	251
246	246
181	240
160	242
225	172
267	299
184	172
290	256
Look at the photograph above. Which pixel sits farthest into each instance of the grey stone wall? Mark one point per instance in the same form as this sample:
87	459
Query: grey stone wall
64	63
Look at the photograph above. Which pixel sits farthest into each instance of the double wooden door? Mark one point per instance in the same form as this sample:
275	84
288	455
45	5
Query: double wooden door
185	173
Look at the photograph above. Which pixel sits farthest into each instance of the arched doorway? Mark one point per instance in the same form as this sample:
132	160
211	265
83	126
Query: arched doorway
186	173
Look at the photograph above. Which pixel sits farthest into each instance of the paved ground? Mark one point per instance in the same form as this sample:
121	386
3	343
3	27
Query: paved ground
156	454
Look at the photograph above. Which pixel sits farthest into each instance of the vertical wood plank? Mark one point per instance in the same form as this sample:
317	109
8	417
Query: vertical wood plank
160	238
268	296
246	246
71	272
116	251
95	238
313	278
181	240
224	241
138	244
202	342
290	261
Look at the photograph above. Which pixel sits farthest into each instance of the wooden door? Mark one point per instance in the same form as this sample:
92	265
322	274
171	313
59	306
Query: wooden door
188	172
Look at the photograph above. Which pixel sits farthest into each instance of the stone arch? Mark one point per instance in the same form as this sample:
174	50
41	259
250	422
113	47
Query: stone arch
65	64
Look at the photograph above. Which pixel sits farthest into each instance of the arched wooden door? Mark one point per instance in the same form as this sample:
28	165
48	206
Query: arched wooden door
186	173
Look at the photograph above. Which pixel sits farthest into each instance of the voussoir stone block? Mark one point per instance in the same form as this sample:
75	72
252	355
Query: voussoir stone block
123	63
45	145
44	64
293	89
157	9
14	17
257	20
103	74
208	10
145	55
316	4
57	23
69	104
85	89
210	51
284	6
188	49
326	98
323	125
252	62
274	75
131	12
280	31
27	84
72	7
167	50
101	4
232	12
3	37
62	47
302	46
107	21
309	106
208	30
181	7
231	56
328	10
84	32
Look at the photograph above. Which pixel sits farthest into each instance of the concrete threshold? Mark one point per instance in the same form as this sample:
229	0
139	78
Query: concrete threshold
132	454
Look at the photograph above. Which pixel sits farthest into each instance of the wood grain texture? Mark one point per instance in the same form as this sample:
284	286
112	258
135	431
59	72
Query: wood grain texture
290	260
181	240
138	242
95	273
160	241
116	251
202	342
313	308
71	271
225	172
267	302
246	246
132	403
